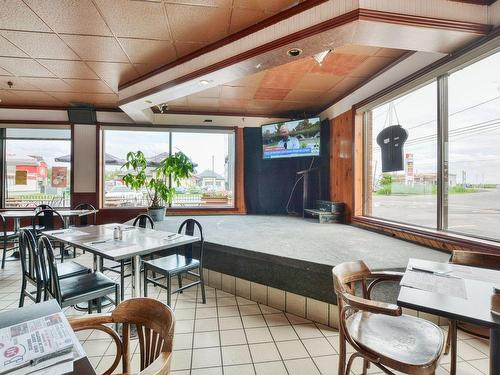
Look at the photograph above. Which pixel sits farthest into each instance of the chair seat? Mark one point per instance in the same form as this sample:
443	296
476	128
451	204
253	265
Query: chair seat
172	264
70	269
397	339
84	284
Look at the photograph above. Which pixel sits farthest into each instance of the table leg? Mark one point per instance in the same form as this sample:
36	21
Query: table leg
136	287
495	351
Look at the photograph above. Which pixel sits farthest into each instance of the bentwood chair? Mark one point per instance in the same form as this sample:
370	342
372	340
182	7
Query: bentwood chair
141	221
473	259
378	332
177	264
32	272
77	289
155	325
7	237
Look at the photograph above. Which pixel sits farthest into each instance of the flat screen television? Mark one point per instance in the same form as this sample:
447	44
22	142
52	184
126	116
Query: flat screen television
291	139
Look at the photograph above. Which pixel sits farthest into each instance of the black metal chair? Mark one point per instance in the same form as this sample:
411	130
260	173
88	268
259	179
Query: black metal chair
32	272
141	221
7	237
176	265
85	220
76	289
48	219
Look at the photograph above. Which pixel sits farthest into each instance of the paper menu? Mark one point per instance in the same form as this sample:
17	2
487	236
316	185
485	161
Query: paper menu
33	342
451	286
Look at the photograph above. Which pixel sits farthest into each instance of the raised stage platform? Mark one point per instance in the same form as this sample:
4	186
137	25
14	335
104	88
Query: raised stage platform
295	254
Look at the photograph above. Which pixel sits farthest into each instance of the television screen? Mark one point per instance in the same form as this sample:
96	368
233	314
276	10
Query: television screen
291	139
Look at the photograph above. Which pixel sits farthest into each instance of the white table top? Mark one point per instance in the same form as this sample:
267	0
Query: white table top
98	239
30	213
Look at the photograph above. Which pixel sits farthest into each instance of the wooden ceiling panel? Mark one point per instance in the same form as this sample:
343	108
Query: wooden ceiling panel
198	24
318	81
68	69
135	19
237	92
339	64
282	79
304	95
264	93
40	45
96	48
70	16
24	67
372	64
213	92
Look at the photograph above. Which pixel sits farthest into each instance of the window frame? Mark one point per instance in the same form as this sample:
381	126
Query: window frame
440	75
3	157
170	129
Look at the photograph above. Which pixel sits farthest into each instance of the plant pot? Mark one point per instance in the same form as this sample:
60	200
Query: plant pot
157	214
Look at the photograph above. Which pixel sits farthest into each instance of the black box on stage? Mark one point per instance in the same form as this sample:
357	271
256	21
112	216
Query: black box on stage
333	207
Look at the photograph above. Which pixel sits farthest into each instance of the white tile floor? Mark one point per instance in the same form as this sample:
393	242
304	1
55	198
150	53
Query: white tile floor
235	336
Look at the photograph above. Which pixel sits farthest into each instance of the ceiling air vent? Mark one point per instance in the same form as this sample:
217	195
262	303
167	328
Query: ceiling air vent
207	121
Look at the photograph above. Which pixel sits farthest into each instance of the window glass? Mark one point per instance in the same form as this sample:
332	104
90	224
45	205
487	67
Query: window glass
474	152
37	167
212	184
407	195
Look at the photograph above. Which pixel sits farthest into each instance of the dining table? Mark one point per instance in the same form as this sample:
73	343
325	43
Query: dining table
135	243
81	366
456	292
67	214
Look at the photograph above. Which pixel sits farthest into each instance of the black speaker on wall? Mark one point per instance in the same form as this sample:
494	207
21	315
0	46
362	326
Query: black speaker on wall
82	113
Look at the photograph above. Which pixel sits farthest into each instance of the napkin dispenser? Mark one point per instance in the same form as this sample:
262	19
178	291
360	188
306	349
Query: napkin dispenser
495	301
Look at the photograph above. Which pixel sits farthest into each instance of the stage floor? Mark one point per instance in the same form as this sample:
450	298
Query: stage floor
307	240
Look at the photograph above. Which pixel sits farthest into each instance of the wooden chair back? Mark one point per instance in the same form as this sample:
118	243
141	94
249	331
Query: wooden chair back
155	324
476	259
144	221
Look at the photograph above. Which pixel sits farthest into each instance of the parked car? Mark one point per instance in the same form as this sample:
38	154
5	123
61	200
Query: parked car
123	193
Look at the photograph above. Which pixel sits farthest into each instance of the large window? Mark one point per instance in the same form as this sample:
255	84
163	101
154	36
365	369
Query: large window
409	194
37	167
469	163
212	152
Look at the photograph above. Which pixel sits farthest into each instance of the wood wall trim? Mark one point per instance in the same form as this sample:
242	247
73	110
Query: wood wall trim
432	238
475	2
354	15
33	122
301	7
57	108
229	114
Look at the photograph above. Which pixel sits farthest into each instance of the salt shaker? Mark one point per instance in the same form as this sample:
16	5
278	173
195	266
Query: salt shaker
116	233
120	233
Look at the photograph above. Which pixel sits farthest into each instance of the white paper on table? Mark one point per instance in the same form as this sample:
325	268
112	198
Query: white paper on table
451	286
70	233
108	244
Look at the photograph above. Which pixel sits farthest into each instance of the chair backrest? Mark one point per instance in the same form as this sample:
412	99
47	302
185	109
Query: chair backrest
144	221
191	227
347	275
476	259
41	207
85	220
155	323
48	264
48	218
30	259
4	227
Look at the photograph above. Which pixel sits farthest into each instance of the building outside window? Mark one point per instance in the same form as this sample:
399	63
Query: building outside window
37	167
212	153
471	161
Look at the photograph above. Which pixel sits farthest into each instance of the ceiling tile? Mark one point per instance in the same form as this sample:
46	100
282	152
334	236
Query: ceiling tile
208	3
34	97
317	81
198	24
135	19
88	85
234	103
24	67
206	102
15	15
70	16
69	69
390	52
371	66
18	84
347	84
271	5
49	84
114	74
354	49
96	99
304	95
213	92
339	64
185	48
281	79
96	48
9	50
237	92
152	52
178	102
253	80
271	93
243	18
40	45
262	105
3	72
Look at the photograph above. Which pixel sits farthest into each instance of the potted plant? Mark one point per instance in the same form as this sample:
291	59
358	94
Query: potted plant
177	166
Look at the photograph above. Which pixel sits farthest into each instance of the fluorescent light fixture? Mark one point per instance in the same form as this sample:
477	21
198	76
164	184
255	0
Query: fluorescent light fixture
319	57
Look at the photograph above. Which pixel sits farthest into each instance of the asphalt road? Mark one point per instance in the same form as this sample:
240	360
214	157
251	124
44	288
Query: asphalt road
469	213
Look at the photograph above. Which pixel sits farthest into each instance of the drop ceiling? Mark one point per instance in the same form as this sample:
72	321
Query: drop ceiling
62	51
301	86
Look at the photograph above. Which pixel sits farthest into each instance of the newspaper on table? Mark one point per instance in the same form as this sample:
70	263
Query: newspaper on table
37	345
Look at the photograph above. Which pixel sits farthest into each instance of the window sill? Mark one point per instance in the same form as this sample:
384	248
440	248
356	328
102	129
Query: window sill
447	241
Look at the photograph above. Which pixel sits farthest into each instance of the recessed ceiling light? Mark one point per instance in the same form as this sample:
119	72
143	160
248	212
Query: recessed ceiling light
258	66
294	52
148	101
204	82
